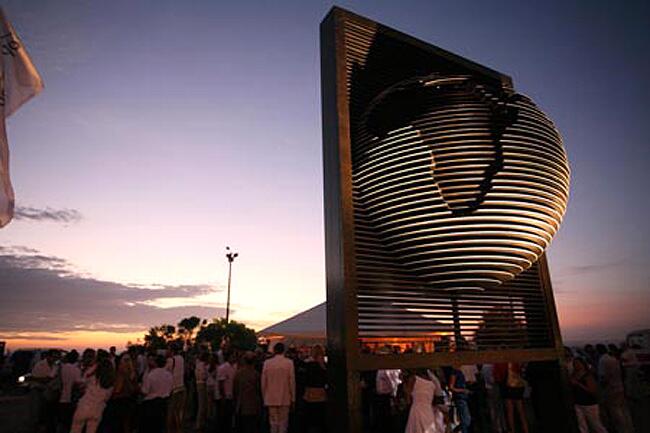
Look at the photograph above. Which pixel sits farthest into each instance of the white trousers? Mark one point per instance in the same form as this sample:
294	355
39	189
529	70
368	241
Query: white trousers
589	419
278	419
86	416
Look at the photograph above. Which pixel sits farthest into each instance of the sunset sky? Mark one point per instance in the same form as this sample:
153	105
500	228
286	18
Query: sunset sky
168	130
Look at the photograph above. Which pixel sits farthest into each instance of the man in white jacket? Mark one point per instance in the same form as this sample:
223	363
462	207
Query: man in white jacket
278	389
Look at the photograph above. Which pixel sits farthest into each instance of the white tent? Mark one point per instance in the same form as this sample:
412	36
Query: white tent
308	327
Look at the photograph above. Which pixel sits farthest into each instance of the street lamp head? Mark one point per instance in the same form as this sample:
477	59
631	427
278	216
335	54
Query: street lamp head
230	255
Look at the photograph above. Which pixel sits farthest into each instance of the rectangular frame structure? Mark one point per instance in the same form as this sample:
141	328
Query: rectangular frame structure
344	354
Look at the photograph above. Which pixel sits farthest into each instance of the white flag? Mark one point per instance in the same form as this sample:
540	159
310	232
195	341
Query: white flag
19	82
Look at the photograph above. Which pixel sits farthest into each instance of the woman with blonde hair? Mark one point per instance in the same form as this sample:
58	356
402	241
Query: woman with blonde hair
122	404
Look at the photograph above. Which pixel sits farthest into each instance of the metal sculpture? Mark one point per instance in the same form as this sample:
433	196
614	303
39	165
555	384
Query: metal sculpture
443	188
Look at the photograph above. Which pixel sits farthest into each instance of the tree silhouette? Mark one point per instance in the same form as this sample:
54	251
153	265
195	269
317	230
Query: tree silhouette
187	326
159	336
240	336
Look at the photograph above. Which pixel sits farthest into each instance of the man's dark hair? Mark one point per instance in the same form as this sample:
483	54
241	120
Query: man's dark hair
278	348
613	349
175	347
102	354
88	356
160	361
601	349
72	357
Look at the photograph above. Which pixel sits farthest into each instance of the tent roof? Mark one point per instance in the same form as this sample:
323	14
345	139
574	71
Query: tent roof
311	323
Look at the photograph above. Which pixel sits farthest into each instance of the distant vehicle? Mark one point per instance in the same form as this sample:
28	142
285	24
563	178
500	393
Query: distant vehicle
636	361
639	339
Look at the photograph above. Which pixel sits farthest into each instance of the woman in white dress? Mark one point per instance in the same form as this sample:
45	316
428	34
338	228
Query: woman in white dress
422	416
91	405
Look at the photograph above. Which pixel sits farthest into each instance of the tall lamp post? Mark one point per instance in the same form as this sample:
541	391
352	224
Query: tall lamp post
230	255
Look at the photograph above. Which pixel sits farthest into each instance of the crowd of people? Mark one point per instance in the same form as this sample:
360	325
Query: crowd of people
173	390
499	398
178	390
602	382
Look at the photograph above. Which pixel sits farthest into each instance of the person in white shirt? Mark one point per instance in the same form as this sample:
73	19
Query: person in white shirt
91	405
613	392
176	365
470	372
201	375
157	386
225	381
278	389
70	378
46	368
386	387
44	385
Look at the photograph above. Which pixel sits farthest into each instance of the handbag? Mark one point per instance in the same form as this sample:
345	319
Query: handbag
315	395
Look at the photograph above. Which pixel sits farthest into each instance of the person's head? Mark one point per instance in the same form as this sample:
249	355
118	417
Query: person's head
51	356
102	354
579	365
125	365
278	349
88	357
204	357
601	349
613	349
71	357
568	353
317	352
423	373
291	352
112	350
589	349
160	361
105	373
174	348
